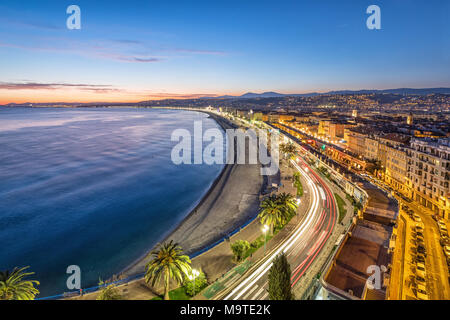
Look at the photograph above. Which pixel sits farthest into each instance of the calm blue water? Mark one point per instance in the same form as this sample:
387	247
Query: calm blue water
91	187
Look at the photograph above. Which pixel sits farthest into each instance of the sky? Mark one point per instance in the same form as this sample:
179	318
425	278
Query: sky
128	51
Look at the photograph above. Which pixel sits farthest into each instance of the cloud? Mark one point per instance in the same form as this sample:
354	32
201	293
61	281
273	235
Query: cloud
54	86
87	50
100	89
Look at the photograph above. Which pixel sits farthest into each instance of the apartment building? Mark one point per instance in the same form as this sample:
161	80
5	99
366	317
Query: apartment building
372	146
356	140
428	173
396	169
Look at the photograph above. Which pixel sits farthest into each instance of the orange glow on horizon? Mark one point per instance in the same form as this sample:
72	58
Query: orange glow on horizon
85	96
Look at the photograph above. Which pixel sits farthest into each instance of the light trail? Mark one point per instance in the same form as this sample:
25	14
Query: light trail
328	228
250	281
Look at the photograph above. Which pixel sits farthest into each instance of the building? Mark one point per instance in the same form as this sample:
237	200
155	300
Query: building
396	169
368	243
372	146
285	117
356	141
428	173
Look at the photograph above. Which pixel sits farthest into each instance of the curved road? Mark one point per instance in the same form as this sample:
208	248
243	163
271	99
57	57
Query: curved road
301	247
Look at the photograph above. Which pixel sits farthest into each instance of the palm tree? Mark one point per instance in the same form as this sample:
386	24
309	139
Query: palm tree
168	262
288	204
288	149
272	213
14	287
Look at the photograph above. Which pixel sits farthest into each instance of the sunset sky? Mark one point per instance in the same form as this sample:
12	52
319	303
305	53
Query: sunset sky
139	50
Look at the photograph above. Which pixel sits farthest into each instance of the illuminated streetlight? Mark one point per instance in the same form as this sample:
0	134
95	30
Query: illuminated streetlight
264	230
194	273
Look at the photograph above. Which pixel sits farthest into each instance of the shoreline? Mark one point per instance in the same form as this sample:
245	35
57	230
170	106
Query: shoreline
198	234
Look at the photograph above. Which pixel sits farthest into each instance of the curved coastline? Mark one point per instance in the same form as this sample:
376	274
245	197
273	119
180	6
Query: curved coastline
218	213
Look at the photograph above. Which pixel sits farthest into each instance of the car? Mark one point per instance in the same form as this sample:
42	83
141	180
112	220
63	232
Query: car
421	249
420	280
418	228
405	207
447	251
421	292
419	258
420	242
435	217
418	234
420	270
416	217
444	241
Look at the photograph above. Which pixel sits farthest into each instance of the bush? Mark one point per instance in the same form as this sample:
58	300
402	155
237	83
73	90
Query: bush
200	283
109	293
239	249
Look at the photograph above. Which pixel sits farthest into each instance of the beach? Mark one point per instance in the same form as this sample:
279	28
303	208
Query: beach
232	200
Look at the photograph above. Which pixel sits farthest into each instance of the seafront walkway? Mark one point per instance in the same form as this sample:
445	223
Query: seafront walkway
217	263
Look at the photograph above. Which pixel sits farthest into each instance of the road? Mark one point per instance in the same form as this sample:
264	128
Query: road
301	247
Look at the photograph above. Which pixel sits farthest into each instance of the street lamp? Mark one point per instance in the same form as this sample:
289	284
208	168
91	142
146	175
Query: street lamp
194	273
264	230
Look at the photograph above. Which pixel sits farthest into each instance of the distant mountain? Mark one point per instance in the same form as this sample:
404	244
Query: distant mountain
401	91
270	94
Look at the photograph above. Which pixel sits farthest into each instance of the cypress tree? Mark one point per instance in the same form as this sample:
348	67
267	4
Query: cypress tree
280	279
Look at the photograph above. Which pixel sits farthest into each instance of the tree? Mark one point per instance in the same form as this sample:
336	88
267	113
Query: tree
272	213
13	286
280	279
298	184
168	262
109	292
277	210
239	248
288	205
288	149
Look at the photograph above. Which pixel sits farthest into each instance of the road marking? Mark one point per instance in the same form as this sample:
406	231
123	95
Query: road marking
257	294
250	292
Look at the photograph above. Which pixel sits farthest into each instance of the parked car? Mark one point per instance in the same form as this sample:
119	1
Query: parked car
447	251
444	241
419	258
421	292
416	217
435	217
420	280
418	234
418	228
420	270
421	249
